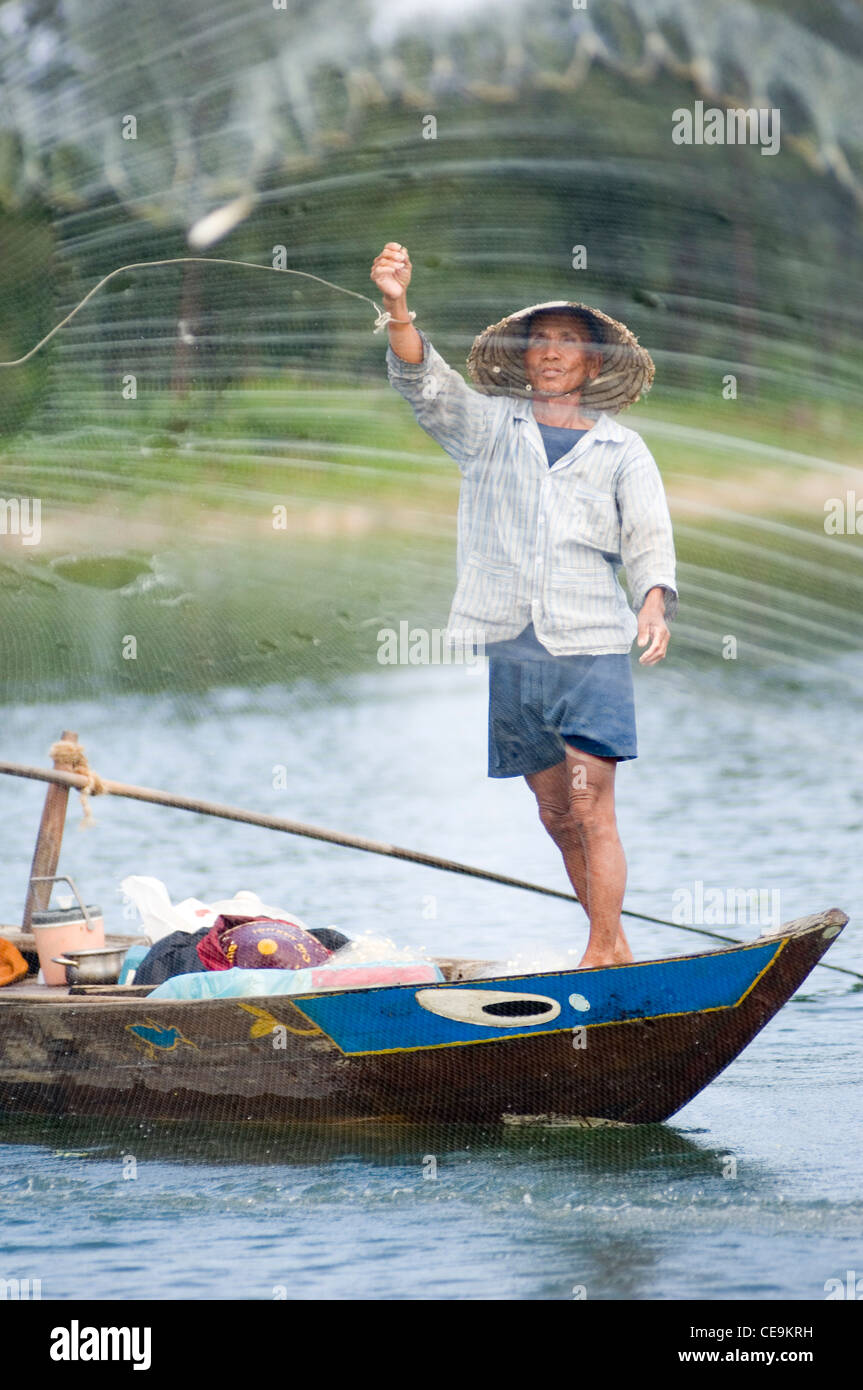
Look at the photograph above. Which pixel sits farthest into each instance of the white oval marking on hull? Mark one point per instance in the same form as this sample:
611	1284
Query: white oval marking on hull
471	1006
579	1002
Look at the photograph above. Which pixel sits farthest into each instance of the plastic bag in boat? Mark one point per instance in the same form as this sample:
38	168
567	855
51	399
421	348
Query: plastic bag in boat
159	915
367	948
238	984
530	961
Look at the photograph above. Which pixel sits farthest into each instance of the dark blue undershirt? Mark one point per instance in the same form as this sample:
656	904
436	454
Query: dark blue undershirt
558	441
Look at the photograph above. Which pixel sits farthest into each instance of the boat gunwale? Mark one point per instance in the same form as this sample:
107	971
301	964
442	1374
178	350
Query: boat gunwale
23	993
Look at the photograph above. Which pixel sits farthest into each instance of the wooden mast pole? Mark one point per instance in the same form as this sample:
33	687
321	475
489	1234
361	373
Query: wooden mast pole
46	855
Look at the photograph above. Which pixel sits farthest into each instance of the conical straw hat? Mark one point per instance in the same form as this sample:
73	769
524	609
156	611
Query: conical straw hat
496	360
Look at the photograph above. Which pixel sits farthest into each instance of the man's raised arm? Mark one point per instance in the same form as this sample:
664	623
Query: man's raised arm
391	272
454	414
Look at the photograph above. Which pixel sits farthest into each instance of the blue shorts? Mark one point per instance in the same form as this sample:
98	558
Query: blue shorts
539	703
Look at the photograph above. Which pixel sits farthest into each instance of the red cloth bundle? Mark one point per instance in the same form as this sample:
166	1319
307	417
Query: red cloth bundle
255	943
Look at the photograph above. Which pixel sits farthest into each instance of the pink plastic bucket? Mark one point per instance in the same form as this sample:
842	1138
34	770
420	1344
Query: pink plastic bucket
64	929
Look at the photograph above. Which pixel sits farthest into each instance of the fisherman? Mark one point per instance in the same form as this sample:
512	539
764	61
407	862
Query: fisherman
556	496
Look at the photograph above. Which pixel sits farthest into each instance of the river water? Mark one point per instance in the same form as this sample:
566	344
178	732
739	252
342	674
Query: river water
753	1191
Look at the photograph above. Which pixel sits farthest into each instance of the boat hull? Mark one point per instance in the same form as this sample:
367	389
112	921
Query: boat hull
628	1044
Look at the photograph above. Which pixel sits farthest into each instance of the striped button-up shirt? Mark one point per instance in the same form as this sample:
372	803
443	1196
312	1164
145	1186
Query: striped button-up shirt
539	544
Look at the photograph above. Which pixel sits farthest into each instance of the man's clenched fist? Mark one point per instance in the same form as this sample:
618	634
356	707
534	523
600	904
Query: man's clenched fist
391	270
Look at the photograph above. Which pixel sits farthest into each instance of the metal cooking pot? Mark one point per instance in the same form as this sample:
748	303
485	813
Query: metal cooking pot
100	966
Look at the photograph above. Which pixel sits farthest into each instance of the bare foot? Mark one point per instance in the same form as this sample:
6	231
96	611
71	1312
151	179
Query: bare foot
593	960
622	953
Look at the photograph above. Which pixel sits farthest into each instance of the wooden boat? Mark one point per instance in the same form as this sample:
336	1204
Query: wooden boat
627	1044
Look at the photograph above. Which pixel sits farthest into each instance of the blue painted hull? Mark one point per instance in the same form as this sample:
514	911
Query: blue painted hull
375	1021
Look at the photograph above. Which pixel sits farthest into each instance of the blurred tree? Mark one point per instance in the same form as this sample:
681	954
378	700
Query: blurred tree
27	309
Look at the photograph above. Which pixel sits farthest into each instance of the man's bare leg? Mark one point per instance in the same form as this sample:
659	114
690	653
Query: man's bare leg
576	806
591	804
551	789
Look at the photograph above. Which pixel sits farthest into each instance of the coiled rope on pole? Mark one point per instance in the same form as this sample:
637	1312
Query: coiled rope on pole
70	757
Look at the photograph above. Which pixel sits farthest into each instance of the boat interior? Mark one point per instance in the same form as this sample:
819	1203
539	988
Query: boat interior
452	968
